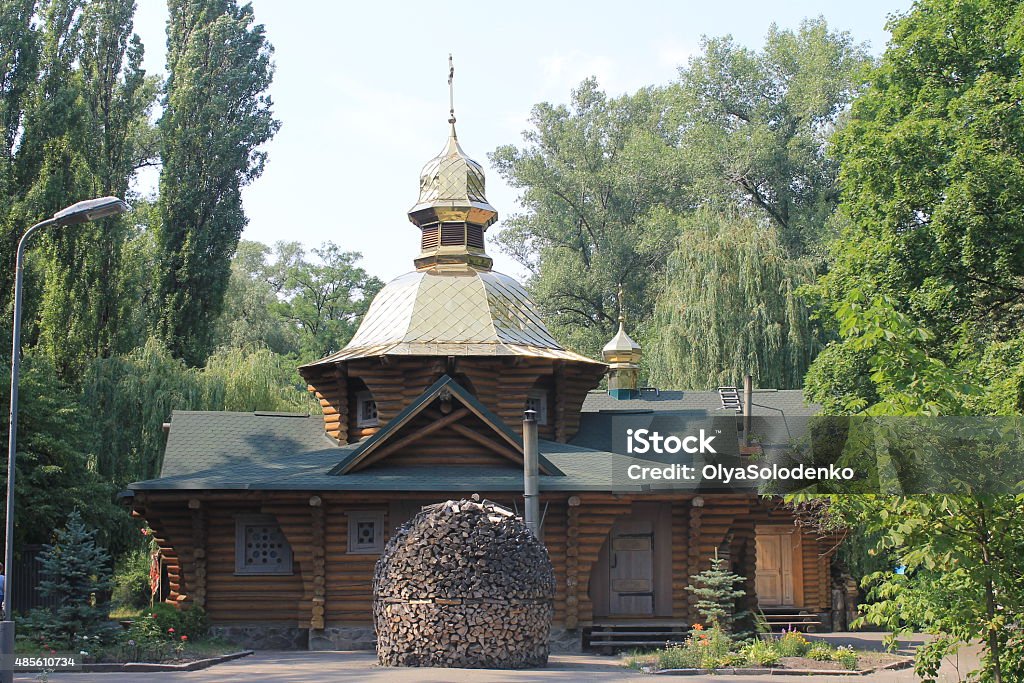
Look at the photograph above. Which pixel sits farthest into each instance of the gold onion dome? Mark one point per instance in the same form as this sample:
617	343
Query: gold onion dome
453	304
621	348
623	356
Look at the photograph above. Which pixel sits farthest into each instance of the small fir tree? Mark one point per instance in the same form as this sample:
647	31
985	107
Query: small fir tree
77	577
717	594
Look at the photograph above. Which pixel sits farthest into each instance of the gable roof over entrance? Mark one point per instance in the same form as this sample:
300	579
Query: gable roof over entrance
393	437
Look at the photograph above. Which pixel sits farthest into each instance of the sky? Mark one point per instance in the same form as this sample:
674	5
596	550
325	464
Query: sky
361	92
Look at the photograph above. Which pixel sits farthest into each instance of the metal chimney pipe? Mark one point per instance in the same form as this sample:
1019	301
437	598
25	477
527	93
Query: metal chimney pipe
531	480
748	400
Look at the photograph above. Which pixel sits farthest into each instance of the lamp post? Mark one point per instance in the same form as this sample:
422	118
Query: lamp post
82	212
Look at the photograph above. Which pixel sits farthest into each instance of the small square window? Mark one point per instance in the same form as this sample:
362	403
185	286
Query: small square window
260	546
366	410
537	401
366	532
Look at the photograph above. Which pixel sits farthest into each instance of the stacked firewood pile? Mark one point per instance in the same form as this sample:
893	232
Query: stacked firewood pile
463	584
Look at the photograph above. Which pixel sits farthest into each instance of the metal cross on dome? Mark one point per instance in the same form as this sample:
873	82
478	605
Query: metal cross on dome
451	89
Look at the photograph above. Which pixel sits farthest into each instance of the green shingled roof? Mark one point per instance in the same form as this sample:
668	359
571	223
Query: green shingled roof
275	451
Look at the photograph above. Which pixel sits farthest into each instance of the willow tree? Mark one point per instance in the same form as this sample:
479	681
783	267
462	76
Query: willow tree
729	306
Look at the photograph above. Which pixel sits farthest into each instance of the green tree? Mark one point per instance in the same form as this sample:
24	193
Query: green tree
756	124
932	182
250	316
729	306
217	114
77	574
716	591
322	298
55	471
590	173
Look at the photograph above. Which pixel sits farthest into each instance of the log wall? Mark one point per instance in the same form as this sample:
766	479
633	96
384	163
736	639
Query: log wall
329	585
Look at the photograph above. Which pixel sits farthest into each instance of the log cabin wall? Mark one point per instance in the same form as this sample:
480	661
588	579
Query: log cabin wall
332	586
501	383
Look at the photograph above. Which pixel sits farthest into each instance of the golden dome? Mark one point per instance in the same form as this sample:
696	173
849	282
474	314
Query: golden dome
452	189
621	348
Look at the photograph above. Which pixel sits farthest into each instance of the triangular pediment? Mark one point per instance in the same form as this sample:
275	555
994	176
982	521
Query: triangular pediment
445	410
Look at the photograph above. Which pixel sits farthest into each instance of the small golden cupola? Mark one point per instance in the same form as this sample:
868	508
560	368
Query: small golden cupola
623	356
452	212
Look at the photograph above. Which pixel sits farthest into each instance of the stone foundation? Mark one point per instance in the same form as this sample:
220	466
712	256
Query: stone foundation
565	642
280	637
343	638
263	636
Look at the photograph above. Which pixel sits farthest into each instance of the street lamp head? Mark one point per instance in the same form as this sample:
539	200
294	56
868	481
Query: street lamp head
90	210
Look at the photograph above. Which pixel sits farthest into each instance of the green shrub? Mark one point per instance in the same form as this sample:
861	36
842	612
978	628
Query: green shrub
762	653
131	581
846	657
820	652
793	644
187	621
679	656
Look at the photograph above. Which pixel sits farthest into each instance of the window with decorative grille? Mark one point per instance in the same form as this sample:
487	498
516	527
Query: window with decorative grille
366	410
537	401
260	546
366	531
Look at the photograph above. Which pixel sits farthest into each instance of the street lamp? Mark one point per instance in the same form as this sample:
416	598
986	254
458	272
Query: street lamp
82	212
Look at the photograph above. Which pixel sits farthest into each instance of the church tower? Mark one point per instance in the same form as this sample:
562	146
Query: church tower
452	316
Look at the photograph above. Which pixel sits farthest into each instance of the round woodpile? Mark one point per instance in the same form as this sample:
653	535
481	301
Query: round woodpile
463	584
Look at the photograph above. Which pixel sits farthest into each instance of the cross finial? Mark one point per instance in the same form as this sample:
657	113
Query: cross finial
622	309
451	90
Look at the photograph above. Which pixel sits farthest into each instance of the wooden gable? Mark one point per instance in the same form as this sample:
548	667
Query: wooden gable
444	425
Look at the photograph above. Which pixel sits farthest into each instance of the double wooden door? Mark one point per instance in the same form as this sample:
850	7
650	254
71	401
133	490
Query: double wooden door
774	581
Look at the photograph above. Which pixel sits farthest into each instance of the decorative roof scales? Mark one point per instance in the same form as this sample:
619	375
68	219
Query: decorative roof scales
453	304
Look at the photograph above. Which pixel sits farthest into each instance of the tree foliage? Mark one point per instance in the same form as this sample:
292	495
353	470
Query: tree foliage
217	115
729	306
931	183
76	577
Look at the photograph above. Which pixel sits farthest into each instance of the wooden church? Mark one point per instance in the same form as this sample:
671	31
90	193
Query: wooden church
272	522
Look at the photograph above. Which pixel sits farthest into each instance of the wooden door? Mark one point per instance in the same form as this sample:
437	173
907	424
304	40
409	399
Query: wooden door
774	580
631	568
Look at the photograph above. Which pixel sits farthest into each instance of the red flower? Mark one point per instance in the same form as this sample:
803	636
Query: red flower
184	638
170	630
698	627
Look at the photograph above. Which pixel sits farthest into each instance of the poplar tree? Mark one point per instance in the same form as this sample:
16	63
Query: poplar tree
217	114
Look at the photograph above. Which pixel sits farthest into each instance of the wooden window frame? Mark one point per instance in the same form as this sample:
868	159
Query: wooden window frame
244	521
541	396
363	397
354	519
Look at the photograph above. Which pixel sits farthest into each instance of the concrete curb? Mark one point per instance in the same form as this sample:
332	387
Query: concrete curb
894	666
145	666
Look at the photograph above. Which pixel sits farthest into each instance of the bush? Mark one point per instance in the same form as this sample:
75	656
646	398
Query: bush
762	653
846	657
131	581
680	656
820	652
793	644
187	621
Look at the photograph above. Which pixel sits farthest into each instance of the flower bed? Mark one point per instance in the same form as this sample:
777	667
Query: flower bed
711	649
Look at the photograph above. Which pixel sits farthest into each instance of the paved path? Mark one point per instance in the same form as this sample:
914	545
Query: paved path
321	667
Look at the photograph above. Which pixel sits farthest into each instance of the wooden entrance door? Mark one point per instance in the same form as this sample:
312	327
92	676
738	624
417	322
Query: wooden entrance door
631	568
774	578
